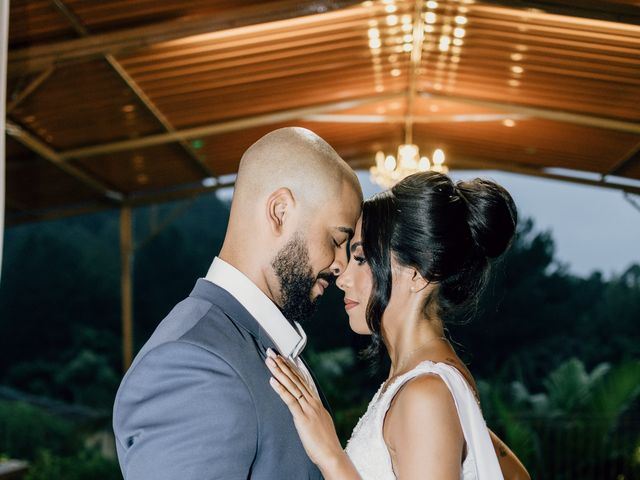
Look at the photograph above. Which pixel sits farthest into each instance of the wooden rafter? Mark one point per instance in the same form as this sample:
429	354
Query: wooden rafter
53	157
135	88
543	113
593	9
632	155
95	46
221	127
29	89
455	118
469	163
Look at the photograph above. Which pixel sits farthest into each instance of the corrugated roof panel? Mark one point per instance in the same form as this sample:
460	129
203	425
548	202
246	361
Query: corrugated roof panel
532	141
34	22
262	68
569	84
533	58
143	169
82	105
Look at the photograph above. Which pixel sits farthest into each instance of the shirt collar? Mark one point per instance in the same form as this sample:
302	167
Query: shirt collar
290	339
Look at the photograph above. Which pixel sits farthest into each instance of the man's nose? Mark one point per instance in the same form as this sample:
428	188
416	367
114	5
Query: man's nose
339	263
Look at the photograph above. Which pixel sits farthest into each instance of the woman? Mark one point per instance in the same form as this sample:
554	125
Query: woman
419	258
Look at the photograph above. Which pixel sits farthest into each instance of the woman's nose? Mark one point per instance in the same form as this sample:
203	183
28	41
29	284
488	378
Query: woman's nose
342	283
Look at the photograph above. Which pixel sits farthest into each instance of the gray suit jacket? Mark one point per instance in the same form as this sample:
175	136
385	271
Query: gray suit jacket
196	403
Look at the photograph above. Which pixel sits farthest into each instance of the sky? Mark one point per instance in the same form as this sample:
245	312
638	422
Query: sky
593	228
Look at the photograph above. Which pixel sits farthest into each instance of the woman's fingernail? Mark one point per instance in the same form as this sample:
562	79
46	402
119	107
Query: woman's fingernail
270	353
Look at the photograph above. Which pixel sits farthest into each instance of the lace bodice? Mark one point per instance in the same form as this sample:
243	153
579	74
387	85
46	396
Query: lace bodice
368	451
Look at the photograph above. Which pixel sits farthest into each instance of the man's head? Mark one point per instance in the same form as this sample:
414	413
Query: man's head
295	206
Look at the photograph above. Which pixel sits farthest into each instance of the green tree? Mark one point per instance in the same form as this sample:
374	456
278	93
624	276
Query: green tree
575	427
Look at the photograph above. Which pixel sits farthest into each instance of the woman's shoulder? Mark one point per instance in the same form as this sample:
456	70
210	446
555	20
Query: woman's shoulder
449	364
423	412
426	395
423	390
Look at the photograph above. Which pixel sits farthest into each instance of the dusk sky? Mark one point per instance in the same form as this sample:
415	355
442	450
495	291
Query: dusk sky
594	228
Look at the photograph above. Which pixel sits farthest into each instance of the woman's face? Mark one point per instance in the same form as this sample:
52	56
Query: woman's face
356	282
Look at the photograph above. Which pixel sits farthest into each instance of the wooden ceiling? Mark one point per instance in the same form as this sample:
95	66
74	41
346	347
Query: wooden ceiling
125	102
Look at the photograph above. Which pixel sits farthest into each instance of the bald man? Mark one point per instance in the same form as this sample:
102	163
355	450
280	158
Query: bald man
196	402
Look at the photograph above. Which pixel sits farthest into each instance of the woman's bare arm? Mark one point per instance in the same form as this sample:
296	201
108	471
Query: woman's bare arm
423	432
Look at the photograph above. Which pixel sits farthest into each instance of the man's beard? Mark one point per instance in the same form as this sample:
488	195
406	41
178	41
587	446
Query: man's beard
291	266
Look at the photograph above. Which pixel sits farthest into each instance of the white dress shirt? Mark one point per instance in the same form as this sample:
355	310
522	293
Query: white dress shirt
288	338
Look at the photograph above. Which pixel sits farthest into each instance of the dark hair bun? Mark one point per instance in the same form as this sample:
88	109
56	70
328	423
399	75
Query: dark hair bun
492	215
448	232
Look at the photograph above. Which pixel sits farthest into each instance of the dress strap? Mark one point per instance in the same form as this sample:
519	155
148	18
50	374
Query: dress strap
474	427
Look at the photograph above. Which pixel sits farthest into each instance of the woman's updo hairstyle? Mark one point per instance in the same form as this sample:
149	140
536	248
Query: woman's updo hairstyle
448	232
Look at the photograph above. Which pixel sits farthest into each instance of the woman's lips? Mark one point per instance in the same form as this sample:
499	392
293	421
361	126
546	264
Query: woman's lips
349	304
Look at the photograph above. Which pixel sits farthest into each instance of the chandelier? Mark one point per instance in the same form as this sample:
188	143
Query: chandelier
389	169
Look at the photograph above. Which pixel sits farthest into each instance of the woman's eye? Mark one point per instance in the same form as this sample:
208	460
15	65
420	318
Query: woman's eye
359	259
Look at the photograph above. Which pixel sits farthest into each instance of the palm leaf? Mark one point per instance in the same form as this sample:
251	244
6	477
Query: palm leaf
569	386
613	394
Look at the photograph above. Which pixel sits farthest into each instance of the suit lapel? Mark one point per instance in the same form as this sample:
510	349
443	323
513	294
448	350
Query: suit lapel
241	317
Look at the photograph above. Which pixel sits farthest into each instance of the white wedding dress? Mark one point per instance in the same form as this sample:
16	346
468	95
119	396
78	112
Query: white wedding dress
370	455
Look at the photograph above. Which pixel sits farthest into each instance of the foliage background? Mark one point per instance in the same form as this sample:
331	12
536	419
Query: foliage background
540	336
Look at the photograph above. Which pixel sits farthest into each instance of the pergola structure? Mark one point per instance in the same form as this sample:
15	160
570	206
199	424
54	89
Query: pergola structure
120	103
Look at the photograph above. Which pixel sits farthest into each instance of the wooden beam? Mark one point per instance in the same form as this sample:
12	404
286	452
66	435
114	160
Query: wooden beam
543	173
95	46
357	162
155	111
180	193
126	285
543	113
461	118
593	9
44	151
70	17
465	163
29	89
221	127
631	156
414	67
136	200
135	88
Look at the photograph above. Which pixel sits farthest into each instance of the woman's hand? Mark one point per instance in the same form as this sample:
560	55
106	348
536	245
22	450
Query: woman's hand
313	422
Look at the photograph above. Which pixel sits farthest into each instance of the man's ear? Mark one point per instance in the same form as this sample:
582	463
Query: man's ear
280	205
